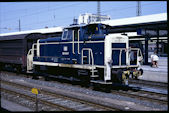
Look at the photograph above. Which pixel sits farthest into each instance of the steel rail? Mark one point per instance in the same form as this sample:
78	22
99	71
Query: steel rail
145	95
149	83
33	99
94	104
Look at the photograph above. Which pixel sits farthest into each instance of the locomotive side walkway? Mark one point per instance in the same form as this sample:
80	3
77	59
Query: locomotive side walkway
159	74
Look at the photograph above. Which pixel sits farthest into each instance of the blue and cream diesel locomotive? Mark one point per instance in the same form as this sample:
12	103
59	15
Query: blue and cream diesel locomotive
87	53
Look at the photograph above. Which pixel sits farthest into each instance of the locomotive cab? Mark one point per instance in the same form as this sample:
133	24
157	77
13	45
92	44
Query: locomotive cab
118	56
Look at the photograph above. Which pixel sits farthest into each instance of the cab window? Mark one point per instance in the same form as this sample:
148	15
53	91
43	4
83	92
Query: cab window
75	35
64	35
67	34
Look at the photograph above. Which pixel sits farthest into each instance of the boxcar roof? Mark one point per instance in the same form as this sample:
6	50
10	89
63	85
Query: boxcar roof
23	36
13	37
45	30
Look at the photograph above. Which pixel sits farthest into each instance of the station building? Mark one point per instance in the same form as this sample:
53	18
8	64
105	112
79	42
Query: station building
88	18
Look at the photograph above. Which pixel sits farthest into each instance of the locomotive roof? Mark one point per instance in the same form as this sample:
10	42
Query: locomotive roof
83	25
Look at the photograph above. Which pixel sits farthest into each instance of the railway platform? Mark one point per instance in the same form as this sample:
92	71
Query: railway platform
159	74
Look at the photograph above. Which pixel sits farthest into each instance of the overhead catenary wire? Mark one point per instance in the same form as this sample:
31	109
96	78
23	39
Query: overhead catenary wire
67	18
35	13
11	19
116	9
138	10
69	5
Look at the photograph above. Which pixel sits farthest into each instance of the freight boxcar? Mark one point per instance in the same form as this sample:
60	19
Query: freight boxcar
14	49
14	46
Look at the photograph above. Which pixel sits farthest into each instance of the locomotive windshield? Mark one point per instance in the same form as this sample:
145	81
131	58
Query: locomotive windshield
67	34
90	30
95	30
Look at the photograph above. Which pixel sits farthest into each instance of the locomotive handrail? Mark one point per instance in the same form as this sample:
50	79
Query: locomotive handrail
78	42
120	57
128	50
38	48
120	49
30	56
73	51
29	51
34	45
29	63
90	53
33	48
138	50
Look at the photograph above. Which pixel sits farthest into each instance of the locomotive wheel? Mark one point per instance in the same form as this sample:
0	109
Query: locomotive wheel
119	76
107	88
96	86
84	79
18	69
102	87
1	67
85	82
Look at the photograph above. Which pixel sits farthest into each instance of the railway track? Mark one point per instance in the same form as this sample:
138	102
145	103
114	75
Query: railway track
144	95
149	83
25	100
139	82
26	94
138	94
52	100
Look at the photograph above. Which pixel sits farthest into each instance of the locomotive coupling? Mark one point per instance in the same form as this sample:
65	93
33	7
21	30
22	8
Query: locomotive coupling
125	76
121	76
137	73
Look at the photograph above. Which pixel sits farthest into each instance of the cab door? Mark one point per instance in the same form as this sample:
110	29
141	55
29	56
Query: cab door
75	46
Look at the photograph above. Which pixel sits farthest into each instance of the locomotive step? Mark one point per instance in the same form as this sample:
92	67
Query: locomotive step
84	56
94	71
94	76
29	71
100	82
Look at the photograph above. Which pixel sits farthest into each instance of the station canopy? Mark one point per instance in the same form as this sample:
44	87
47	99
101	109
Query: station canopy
143	25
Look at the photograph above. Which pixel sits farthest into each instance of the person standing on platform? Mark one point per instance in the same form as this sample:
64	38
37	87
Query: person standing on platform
154	60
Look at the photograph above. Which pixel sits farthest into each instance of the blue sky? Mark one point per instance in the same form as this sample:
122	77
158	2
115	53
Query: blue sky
36	15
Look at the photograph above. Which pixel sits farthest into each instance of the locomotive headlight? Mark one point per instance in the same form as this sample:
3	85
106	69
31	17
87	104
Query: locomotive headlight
65	48
119	39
